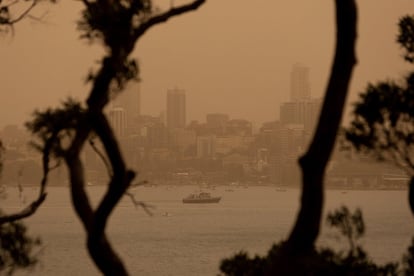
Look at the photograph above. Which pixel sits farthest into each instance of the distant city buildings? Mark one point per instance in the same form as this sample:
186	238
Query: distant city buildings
176	108
299	83
301	109
118	120
300	112
130	101
220	150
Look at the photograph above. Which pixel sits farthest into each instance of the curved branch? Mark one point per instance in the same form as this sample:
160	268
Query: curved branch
102	156
164	17
121	178
79	197
32	207
23	14
95	222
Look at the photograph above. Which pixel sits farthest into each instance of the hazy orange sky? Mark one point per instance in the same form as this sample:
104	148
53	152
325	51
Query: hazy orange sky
231	56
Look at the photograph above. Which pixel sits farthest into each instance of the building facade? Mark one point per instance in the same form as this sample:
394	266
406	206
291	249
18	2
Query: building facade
118	119
130	100
176	108
299	83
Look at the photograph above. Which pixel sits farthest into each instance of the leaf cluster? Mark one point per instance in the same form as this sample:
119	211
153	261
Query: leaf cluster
116	24
383	121
113	22
351	226
406	37
383	117
5	16
54	126
16	247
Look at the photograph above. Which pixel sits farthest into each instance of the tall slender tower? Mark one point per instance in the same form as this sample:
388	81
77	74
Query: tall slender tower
299	83
176	109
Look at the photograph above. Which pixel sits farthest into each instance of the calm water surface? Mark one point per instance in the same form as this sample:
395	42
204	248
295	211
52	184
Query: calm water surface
191	239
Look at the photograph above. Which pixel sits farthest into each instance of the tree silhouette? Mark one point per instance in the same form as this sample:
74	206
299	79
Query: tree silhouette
383	118
298	255
313	162
8	18
64	131
13	11
15	244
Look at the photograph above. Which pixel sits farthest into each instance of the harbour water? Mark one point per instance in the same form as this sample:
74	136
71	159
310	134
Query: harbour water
191	239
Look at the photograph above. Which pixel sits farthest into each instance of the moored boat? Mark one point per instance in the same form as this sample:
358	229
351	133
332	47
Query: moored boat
202	197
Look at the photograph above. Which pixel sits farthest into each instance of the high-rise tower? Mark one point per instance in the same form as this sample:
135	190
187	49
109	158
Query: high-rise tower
130	101
176	109
299	83
118	119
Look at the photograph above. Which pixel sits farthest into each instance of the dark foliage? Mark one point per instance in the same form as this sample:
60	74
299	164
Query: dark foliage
383	122
55	126
16	247
406	37
64	131
321	261
383	118
408	260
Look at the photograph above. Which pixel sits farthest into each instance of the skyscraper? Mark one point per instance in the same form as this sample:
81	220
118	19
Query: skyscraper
176	108
118	120
301	109
130	101
301	112
299	83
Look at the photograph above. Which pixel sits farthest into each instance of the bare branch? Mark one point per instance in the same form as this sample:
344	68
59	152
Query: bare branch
139	183
24	13
26	212
141	204
164	17
32	207
102	156
115	67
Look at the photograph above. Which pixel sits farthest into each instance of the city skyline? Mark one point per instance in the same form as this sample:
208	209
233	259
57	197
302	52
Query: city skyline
239	67
224	105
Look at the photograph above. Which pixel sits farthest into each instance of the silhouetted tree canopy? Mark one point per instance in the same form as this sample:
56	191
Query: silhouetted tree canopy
406	37
16	246
383	117
63	132
322	261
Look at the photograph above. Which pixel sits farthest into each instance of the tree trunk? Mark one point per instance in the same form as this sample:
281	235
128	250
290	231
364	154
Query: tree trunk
314	161
411	194
95	221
